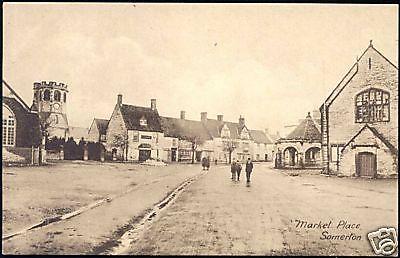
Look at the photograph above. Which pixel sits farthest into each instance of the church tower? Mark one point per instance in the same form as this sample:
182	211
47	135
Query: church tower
50	102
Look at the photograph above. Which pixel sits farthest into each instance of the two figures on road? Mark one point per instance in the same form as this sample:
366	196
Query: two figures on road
236	168
205	163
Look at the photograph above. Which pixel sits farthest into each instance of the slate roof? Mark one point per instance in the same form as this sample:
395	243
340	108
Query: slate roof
101	125
306	130
27	125
132	115
184	129
214	127
260	137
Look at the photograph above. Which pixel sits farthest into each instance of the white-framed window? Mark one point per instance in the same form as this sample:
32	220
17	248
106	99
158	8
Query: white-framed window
9	125
372	105
143	121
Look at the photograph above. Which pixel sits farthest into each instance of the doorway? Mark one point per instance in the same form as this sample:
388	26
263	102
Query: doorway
366	164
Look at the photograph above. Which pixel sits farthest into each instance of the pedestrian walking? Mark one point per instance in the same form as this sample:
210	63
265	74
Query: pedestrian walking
233	170
249	169
238	170
203	162
207	163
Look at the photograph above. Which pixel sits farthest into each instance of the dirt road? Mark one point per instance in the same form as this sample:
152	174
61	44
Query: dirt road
277	215
217	216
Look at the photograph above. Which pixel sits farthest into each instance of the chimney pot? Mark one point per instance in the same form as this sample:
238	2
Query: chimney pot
119	99
241	121
203	116
183	114
153	104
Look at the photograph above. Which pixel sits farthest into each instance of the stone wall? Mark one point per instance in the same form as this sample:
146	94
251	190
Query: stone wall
382	75
116	129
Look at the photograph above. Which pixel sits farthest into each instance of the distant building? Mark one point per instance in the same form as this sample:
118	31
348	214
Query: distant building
21	126
184	139
98	130
302	147
359	119
133	132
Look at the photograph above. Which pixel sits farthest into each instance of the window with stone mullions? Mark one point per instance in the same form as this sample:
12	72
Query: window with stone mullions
372	105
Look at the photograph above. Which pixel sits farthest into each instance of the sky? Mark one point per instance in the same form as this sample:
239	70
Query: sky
270	63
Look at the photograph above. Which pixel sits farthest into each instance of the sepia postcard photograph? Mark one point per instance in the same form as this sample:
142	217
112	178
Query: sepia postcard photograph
200	129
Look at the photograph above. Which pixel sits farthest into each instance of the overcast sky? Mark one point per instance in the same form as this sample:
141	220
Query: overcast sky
269	63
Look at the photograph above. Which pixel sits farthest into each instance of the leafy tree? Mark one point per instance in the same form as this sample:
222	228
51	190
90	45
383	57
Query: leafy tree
229	146
120	141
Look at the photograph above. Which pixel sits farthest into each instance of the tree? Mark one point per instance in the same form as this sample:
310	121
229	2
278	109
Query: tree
45	122
120	141
195	143
229	146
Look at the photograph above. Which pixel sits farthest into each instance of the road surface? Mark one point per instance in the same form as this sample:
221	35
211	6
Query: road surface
277	215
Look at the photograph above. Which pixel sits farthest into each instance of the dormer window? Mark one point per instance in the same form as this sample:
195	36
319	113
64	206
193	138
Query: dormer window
143	121
225	132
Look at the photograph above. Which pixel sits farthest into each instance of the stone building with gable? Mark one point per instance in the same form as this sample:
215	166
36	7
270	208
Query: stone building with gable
359	123
98	130
301	147
21	132
134	132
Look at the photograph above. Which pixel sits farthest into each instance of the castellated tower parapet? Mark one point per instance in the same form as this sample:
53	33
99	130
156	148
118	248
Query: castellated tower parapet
50	85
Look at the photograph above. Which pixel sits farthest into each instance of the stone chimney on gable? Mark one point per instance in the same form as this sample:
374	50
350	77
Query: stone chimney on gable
220	118
203	116
183	114
153	104
119	100
241	121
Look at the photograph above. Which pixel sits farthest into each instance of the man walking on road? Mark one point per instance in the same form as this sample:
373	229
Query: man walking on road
238	170
249	169
233	170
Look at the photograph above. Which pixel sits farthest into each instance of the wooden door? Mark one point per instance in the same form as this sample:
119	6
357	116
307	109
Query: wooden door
366	164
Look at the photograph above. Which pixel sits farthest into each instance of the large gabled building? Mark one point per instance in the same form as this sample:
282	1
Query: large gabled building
359	123
134	132
21	127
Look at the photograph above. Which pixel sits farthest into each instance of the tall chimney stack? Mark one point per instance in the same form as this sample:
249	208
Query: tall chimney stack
203	116
119	100
183	114
220	118
153	104
241	121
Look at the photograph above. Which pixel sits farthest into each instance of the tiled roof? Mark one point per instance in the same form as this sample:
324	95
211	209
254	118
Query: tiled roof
102	125
260	137
184	129
28	125
214	127
132	115
306	130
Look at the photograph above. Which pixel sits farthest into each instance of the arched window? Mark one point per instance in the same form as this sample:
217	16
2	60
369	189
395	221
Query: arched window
65	97
8	138
57	96
46	95
372	105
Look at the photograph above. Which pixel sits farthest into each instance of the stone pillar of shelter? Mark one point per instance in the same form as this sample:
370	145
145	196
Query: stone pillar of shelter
85	152
61	152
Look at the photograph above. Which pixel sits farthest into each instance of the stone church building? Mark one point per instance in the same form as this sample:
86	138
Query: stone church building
359	125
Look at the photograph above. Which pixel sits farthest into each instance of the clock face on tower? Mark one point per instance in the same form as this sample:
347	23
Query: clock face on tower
56	107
